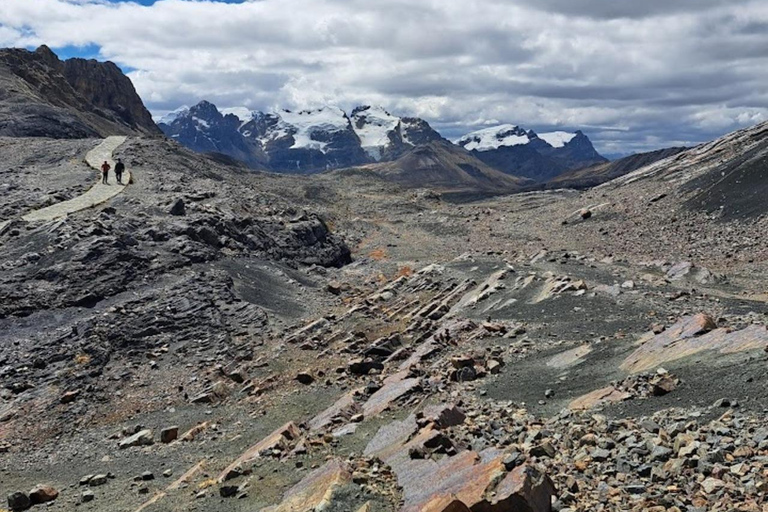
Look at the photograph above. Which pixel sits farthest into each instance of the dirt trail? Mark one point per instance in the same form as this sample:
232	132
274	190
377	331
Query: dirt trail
97	194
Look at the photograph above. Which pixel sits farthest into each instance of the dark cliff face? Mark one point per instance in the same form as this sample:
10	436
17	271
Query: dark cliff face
105	87
43	96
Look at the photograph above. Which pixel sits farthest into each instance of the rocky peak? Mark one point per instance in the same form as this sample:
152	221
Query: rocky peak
540	156
71	99
47	55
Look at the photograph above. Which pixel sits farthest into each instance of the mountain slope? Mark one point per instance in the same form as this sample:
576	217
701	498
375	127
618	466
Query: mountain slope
42	96
386	137
594	175
444	166
204	129
514	150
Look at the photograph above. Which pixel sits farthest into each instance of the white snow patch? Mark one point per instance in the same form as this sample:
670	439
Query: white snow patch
306	123
557	139
201	122
494	138
244	114
173	115
374	133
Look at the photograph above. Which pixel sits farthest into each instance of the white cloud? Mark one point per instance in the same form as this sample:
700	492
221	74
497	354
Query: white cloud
668	72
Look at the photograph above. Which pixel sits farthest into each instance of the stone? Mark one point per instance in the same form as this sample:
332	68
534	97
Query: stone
305	378
335	287
169	434
69	396
147	475
97	480
42	494
19	501
444	415
599	397
711	485
280	439
316	490
178	208
585	213
544	449
228	491
87	496
141	438
664	385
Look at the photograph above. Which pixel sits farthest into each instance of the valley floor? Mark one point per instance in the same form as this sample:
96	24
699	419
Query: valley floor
603	350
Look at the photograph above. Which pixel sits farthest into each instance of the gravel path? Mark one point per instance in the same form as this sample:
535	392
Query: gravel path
98	194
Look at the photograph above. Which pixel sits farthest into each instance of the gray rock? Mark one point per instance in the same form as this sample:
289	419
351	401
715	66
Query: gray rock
141	438
19	501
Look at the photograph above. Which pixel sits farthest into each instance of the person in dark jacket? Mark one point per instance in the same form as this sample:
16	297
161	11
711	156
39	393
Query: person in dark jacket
119	168
105	167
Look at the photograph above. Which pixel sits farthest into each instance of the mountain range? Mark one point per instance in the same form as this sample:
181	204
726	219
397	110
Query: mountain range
310	141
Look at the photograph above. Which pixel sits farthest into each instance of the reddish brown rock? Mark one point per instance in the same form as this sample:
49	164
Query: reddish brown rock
42	494
280	438
602	396
444	415
394	387
690	336
345	407
315	492
466	481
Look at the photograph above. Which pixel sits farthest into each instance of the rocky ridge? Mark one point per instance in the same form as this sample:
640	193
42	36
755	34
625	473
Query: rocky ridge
76	98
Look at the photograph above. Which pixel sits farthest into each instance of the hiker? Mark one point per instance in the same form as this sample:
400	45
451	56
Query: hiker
105	167
119	168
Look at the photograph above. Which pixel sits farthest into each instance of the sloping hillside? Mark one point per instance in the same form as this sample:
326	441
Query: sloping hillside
592	176
444	166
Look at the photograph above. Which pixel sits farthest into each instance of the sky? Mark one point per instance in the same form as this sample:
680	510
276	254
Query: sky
633	75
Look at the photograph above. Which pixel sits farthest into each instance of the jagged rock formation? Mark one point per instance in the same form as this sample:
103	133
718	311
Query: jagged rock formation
204	129
45	97
594	175
386	137
514	150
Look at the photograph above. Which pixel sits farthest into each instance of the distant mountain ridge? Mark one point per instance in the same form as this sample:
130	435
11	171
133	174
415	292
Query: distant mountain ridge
42	96
540	157
327	138
298	141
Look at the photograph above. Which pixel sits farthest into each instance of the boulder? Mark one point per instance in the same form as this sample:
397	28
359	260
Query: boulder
169	434
19	501
141	438
42	494
178	208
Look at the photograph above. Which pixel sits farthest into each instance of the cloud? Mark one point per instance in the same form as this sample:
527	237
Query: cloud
666	73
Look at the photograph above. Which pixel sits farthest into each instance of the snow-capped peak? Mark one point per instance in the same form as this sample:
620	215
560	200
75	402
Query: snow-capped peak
305	124
495	137
373	126
557	139
173	115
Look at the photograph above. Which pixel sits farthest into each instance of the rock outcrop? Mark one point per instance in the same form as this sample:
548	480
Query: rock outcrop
46	97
